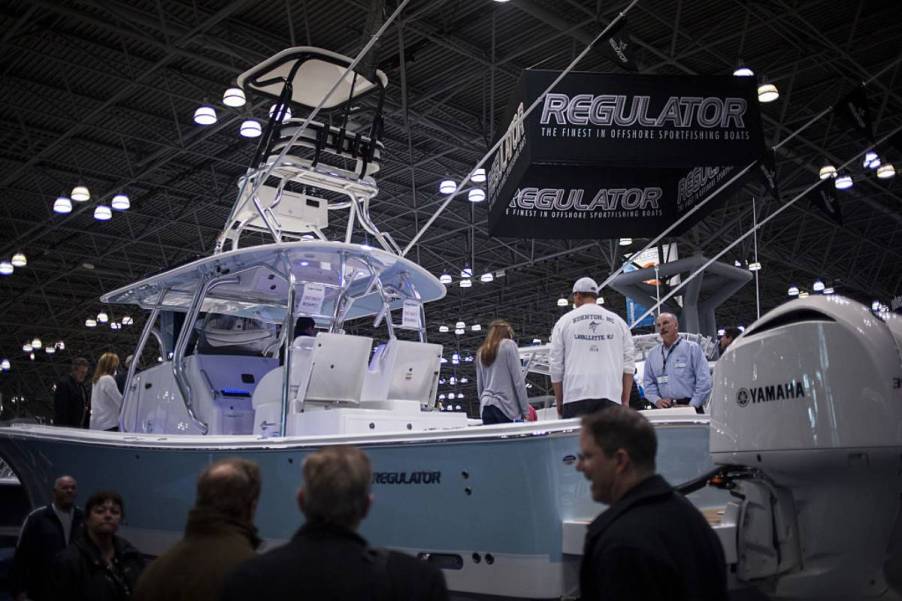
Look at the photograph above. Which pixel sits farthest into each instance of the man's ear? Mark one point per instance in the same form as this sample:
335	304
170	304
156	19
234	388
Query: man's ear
623	460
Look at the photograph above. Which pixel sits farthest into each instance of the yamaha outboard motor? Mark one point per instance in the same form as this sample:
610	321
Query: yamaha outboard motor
806	410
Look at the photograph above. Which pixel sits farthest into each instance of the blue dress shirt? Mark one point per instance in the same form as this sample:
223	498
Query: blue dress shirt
680	372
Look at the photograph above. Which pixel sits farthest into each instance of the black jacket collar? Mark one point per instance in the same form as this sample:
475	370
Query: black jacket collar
322	530
651	489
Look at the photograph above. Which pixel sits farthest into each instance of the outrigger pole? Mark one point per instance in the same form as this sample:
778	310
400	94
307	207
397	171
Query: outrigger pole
518	120
754	229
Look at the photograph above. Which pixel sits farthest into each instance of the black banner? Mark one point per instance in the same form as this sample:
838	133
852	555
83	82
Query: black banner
854	109
556	202
619	48
823	196
619	155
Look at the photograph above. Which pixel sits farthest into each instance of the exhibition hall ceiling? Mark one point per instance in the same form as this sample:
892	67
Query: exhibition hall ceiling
102	94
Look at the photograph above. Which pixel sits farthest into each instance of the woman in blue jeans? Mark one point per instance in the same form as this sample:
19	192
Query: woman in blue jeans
500	382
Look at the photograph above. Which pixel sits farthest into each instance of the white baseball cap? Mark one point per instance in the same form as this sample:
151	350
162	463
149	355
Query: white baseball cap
585	285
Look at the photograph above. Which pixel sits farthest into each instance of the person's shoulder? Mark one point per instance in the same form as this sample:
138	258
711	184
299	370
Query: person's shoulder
509	345
404	566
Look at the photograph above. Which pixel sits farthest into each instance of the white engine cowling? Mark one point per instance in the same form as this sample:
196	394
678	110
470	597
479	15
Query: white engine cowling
811	397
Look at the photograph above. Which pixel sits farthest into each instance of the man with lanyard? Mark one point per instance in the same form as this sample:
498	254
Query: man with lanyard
591	358
676	371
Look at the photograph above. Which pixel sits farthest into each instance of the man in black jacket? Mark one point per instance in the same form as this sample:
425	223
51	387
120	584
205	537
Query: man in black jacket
651	543
72	398
45	532
326	558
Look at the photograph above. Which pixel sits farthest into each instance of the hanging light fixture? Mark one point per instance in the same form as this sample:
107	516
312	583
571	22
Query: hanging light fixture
793	290
818	286
27	348
460	325
120	202
445	279
103	213
478	176
50	350
828	290
250	128
459	331
62	205
6	268
19	260
102	317
80	194
803	294
537	341
464	380
755	266
36	343
466	272
476	195
60	345
599	300
870	157
486	277
234	97
827	171
466	283
31	356
127	320
443	329
886	171
736	263
90	323
4	365
476	327
115	325
721	332
447	186
626	241
204	115
843	182
767	92
743	71
286	112
562	302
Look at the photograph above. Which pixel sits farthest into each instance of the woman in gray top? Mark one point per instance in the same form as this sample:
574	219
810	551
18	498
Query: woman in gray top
500	383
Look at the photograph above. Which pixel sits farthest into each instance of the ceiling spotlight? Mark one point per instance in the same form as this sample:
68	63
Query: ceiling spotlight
743	71
886	171
487	277
445	279
90	323
828	290
459	331
599	300
460	325
103	213
741	328
31	356
286	112
562	302
475	327
626	241
63	205
721	332
478	176
36	343
115	325
60	345
19	260
767	92
869	157
827	171
80	194
6	268
843	182
50	350
27	348
466	283
537	341
476	195
793	291
120	202
464	380
818	286
234	97
736	263
102	317
447	186
250	128
756	266
443	329
4	365
466	272
204	115
451	396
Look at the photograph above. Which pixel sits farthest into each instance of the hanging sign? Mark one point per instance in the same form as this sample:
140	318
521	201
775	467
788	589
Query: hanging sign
612	150
410	315
312	298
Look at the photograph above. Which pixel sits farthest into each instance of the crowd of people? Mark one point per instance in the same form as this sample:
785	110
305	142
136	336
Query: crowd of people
592	363
650	543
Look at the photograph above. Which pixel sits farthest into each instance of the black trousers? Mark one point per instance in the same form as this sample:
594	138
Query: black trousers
585	407
494	415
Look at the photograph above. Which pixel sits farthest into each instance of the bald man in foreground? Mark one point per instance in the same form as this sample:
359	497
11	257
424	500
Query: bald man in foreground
219	535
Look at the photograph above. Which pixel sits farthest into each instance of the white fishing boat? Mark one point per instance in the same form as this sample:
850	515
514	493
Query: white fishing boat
501	509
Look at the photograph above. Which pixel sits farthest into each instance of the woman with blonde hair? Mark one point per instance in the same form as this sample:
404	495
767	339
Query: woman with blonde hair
105	396
500	383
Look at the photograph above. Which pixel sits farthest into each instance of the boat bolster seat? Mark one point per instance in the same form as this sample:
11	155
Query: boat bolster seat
403	370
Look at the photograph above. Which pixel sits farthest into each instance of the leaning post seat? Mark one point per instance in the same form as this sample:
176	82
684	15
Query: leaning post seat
302	77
